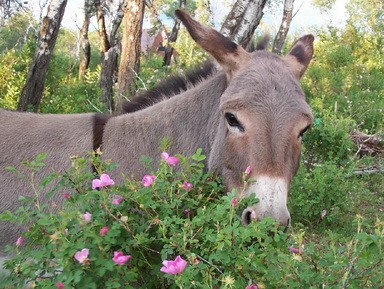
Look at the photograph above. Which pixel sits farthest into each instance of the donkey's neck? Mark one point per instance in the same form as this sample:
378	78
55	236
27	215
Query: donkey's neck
189	121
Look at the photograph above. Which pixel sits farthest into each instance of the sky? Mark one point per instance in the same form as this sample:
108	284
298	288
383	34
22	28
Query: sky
306	18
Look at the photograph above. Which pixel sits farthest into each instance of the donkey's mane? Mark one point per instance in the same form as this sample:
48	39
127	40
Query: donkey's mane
170	87
177	84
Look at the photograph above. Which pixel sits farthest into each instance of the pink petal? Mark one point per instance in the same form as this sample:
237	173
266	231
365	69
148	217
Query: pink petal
106	180
187	186
174	267
96	183
87	217
120	259
117	199
147	180
104	231
294	250
172	161
164	156
81	256
19	241
248	170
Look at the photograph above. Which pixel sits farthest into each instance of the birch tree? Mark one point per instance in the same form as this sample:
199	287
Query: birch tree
32	91
109	46
284	27
130	52
242	21
85	46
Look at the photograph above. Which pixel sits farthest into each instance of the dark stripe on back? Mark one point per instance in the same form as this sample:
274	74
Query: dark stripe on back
99	122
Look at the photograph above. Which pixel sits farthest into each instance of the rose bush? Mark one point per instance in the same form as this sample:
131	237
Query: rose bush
174	229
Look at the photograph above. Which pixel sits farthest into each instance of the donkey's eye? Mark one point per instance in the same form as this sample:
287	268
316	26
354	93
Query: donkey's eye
304	130
233	121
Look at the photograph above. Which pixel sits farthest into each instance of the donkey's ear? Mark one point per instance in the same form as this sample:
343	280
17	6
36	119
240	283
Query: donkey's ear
229	55
300	55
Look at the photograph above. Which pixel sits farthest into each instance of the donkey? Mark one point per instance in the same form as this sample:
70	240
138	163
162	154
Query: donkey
252	113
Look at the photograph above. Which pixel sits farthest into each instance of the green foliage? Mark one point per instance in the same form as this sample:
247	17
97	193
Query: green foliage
189	52
13	72
345	77
164	219
19	29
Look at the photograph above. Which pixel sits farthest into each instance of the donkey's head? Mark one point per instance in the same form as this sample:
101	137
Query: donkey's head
263	115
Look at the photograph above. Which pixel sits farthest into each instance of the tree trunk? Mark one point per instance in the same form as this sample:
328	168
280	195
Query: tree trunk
243	20
104	42
284	27
130	54
109	47
85	46
172	38
33	89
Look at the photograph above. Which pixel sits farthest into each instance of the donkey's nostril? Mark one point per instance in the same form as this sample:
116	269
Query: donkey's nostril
247	216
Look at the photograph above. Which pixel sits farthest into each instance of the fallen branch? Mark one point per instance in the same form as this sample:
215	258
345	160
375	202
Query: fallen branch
368	171
367	144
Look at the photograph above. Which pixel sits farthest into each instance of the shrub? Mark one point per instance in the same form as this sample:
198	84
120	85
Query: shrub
109	235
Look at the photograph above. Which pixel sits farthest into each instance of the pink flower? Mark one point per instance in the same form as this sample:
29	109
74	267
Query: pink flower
234	202
67	195
19	241
294	250
248	170
148	180
87	217
60	285
252	286
187	186
82	256
171	160
117	199
174	267
104	231
104	181
120	259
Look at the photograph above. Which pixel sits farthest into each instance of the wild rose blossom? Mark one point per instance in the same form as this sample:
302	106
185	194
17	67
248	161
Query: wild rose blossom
87	217
104	231
104	181
148	180
187	186
293	249
252	286
117	199
82	256
174	267
234	202
60	285
120	259
171	160
19	241
248	170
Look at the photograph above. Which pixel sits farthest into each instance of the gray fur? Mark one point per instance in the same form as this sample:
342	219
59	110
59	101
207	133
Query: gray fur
260	88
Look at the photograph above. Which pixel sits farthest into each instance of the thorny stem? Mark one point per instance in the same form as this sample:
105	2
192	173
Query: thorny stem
116	218
35	191
351	269
209	263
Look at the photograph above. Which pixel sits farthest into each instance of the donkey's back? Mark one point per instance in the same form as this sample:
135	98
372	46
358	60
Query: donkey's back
22	137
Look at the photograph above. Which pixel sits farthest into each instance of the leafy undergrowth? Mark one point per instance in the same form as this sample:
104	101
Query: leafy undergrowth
127	235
